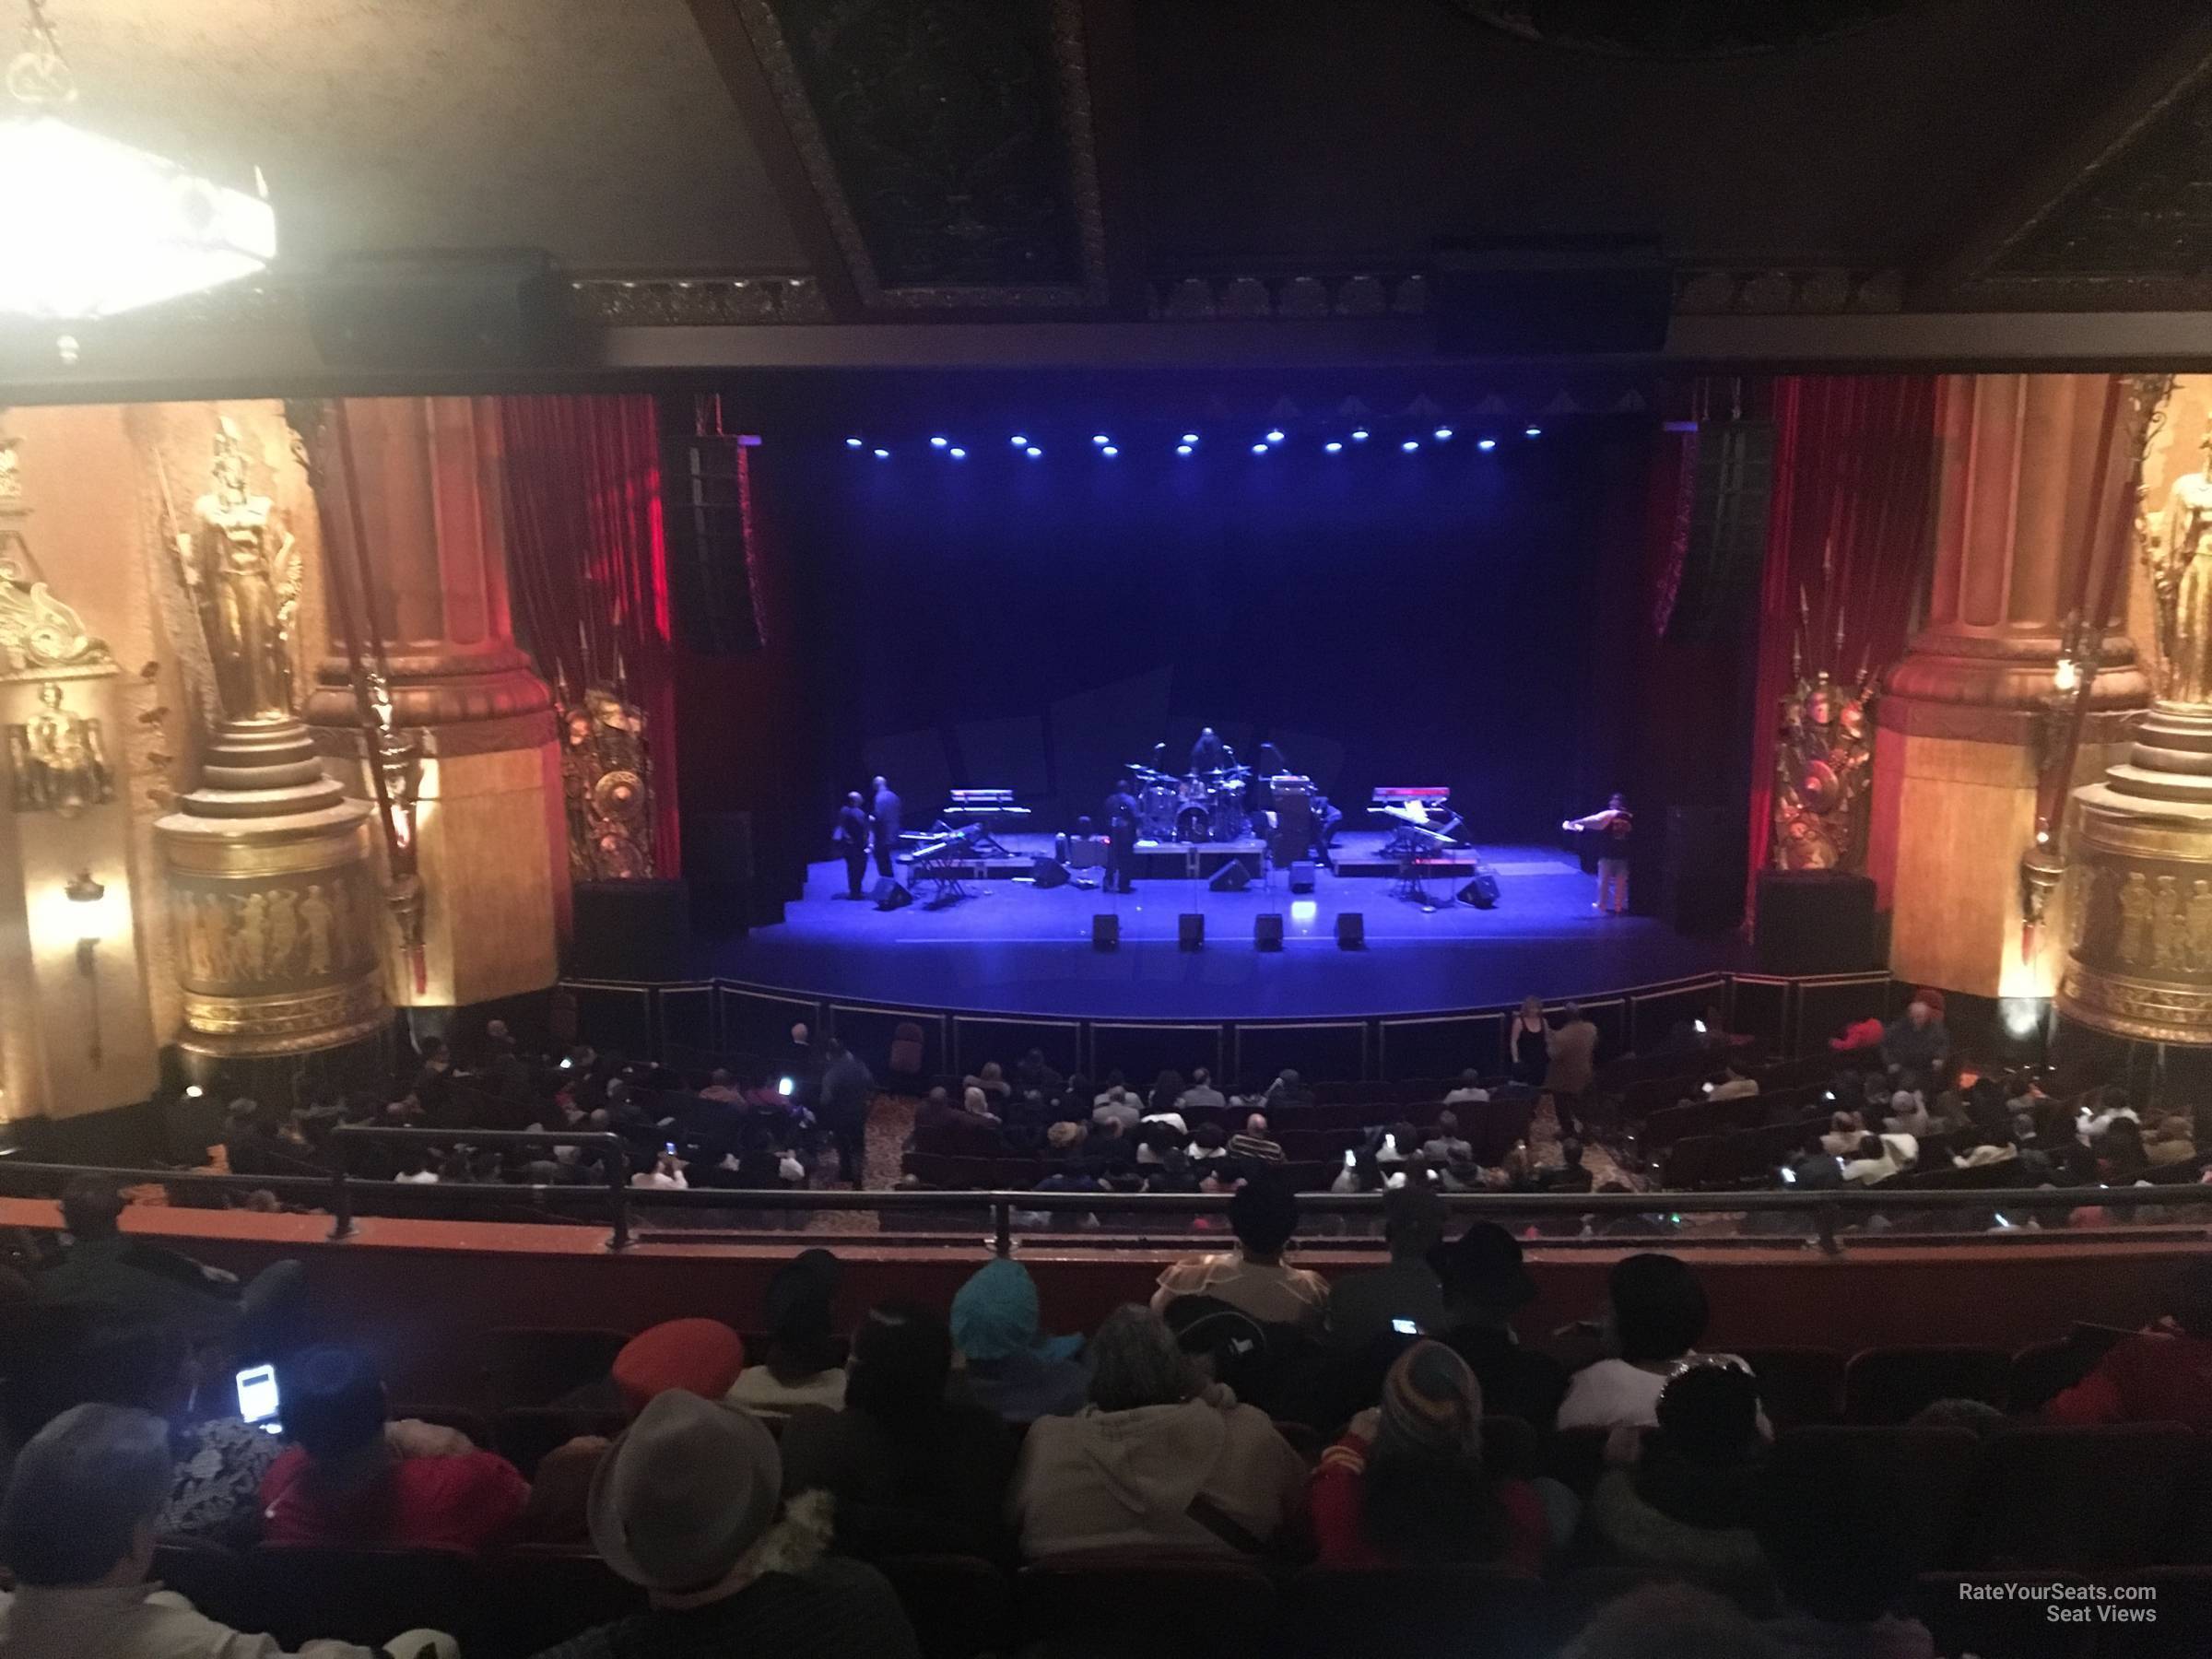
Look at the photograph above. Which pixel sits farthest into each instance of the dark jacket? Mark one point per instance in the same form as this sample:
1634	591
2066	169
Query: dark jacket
851	830
884	810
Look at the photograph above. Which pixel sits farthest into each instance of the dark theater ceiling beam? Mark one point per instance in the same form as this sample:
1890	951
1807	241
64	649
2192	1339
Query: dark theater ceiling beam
949	160
2115	215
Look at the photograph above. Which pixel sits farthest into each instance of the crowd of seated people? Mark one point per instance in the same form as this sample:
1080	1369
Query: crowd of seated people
1254	1412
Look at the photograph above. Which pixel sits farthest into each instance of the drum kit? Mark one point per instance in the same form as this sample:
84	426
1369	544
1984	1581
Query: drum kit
1199	806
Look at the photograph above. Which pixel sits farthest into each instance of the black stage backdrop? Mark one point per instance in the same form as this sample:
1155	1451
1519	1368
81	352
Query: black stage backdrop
1382	618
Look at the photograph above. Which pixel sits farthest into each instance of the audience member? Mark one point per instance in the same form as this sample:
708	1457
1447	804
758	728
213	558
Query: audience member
1253	1276
77	1529
1876	1159
992	1082
110	1275
1916	1039
1167	1094
1157	1460
346	1480
805	1360
685	1505
1571	1049
1484	1284
1679	1500
847	1091
2160	1376
1732	1085
1116	1106
911	1469
1406	1485
1202	1095
1288	1089
1470	1091
1845	1131
1676	1621
1383	1301
1655	1312
1012	1368
1445	1145
1255	1145
700	1356
1841	1558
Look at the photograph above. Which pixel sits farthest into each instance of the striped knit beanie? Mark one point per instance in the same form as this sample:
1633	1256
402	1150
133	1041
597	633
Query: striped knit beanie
1430	1404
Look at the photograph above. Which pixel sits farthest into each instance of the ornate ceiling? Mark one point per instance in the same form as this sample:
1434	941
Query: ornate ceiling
1281	164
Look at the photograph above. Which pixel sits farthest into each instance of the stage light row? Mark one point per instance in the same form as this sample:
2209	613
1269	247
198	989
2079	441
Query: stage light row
1189	444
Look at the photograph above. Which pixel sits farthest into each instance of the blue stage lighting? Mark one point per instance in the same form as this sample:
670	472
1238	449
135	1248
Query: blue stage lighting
1275	434
883	455
1486	443
939	443
1190	436
956	452
1183	449
1358	434
1333	447
853	443
1032	452
1532	431
1019	441
1101	439
1259	448
1109	450
1410	445
1443	435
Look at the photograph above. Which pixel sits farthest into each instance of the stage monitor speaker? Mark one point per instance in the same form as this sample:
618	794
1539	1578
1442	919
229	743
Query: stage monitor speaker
1267	931
1732	482
891	895
1301	877
1351	930
1189	930
1231	878
1701	870
1105	931
1049	873
632	930
439	308
1482	893
1513	296
1813	922
705	487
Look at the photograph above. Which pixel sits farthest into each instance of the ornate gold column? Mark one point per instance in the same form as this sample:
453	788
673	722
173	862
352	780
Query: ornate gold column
1969	716
2139	869
490	838
75	1036
274	903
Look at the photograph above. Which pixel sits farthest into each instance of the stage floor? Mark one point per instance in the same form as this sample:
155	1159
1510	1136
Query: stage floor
1015	948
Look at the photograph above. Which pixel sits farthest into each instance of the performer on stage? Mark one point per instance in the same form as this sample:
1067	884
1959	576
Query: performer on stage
851	838
1209	754
1121	838
883	813
1618	826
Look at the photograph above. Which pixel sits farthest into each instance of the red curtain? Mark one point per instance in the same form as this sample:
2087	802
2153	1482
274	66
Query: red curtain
1848	539
589	563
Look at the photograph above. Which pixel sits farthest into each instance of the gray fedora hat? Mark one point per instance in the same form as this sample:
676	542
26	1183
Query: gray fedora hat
685	1490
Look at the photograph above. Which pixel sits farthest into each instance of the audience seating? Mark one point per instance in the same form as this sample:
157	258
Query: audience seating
1438	1612
531	1366
1146	1603
1798	1386
523	1434
960	1606
1892	1384
2085	1497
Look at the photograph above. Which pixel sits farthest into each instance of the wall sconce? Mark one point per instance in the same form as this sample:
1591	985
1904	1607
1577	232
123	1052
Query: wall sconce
82	889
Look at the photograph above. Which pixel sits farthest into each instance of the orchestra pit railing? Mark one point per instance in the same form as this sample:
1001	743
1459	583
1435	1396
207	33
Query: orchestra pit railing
1823	1218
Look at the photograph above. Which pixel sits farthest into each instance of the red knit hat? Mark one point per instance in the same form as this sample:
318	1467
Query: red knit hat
699	1355
1931	996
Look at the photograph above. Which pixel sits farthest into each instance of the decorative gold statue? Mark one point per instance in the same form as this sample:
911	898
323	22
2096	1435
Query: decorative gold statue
59	759
2177	548
604	772
242	569
1823	767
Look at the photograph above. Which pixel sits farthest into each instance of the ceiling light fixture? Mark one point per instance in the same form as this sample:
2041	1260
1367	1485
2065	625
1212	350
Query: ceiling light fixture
95	226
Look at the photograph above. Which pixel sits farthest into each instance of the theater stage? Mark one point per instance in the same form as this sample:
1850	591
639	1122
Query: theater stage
1018	948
